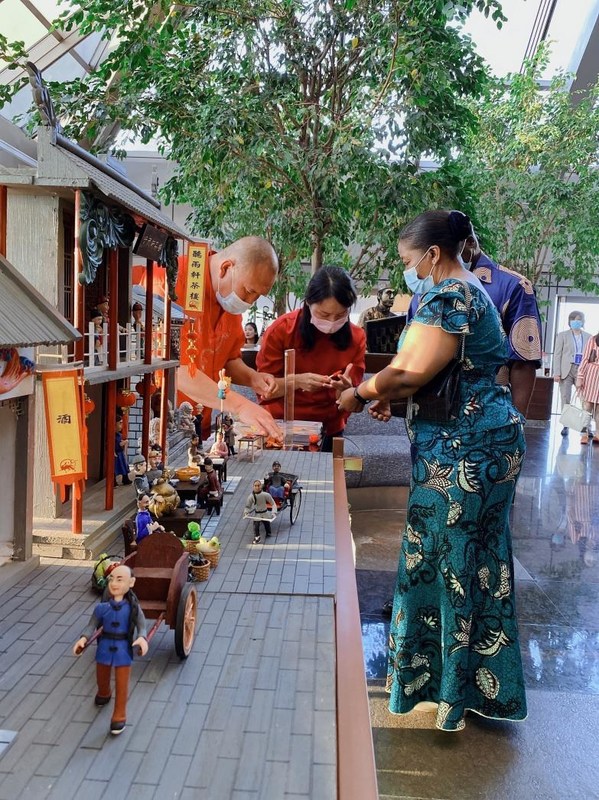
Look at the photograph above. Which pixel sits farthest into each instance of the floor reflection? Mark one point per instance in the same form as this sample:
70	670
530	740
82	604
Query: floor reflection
555	527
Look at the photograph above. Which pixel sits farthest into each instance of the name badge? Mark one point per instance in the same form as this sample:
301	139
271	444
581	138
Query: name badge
578	358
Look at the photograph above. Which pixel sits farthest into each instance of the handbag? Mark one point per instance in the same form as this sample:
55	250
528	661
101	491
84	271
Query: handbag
575	417
439	399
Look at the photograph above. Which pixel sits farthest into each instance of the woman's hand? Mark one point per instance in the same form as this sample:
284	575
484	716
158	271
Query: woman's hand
343	381
312	382
348	402
263	383
381	410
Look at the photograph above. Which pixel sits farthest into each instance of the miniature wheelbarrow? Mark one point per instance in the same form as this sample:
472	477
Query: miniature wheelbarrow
160	565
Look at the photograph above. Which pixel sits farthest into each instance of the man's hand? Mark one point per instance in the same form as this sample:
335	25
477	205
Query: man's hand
263	383
381	410
259	418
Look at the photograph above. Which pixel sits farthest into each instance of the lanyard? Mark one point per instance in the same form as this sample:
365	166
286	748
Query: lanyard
577	343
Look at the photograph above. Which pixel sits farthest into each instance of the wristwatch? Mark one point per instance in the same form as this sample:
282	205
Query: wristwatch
359	398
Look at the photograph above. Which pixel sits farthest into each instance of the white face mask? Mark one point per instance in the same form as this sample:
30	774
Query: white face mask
466	264
326	326
232	303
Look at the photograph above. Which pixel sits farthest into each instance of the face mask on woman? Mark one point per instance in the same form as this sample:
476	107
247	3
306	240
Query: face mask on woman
328	326
416	284
576	324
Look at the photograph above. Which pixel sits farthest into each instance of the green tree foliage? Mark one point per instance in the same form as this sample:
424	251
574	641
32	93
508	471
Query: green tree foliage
531	170
301	120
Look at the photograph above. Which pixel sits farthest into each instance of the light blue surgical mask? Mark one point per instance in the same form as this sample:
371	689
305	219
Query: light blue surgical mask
576	324
416	284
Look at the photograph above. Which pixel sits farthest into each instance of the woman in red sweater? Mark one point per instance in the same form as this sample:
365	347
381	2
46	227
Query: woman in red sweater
329	352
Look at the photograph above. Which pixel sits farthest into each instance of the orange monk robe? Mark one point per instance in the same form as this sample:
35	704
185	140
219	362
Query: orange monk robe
219	337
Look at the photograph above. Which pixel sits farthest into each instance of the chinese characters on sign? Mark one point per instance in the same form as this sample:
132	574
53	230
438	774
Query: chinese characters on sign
197	257
150	243
64	421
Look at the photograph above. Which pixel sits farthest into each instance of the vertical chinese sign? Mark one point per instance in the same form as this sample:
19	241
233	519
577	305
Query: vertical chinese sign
193	301
197	257
64	420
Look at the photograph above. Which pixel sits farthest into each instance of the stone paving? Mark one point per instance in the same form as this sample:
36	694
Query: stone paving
250	714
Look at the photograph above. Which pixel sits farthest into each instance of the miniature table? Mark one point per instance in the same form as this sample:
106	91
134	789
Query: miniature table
177	522
251	441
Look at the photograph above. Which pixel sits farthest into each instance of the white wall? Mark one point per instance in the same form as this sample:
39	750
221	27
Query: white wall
8	440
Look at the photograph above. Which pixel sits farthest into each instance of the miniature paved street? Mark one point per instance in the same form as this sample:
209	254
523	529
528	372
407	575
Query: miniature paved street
250	714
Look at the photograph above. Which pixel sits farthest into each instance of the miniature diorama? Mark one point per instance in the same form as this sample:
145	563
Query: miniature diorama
194	451
228	430
185	418
285	490
121	467
219	448
210	491
141	482
97	320
145	523
260	508
119	625
164	499
382	310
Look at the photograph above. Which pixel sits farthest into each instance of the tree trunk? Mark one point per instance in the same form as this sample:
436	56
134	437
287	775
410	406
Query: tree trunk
316	259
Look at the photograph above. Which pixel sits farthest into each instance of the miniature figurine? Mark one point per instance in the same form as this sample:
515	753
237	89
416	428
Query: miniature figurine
382	310
141	482
104	309
219	449
118	618
211	487
197	421
137	315
260	502
194	453
186	418
120	459
155	465
145	524
95	317
276	484
229	434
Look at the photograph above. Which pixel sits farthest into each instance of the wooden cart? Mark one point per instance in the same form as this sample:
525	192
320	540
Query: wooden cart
160	566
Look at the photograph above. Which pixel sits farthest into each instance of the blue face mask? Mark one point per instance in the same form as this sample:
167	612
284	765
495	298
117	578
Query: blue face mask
576	324
416	284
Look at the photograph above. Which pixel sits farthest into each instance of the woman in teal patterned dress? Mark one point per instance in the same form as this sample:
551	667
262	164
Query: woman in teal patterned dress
453	643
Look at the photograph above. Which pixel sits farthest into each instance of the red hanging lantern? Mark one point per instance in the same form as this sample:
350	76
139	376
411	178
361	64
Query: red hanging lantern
125	398
88	405
140	388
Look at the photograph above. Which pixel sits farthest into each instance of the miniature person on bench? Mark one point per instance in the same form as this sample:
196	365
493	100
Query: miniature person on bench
210	493
145	523
277	484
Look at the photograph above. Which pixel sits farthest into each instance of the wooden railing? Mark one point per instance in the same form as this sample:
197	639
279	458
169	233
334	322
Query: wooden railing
356	770
130	346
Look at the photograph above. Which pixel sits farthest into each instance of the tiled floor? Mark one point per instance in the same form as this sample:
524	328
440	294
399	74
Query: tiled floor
554	754
250	715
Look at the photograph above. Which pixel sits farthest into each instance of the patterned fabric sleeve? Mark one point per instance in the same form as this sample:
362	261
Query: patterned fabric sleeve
445	307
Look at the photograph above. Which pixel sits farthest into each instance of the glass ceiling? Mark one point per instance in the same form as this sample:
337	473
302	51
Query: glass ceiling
64	56
59	55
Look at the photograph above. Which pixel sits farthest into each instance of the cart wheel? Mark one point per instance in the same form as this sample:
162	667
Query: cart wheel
185	628
296	504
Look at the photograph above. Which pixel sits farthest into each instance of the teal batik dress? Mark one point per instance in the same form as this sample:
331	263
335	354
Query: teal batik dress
454	635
